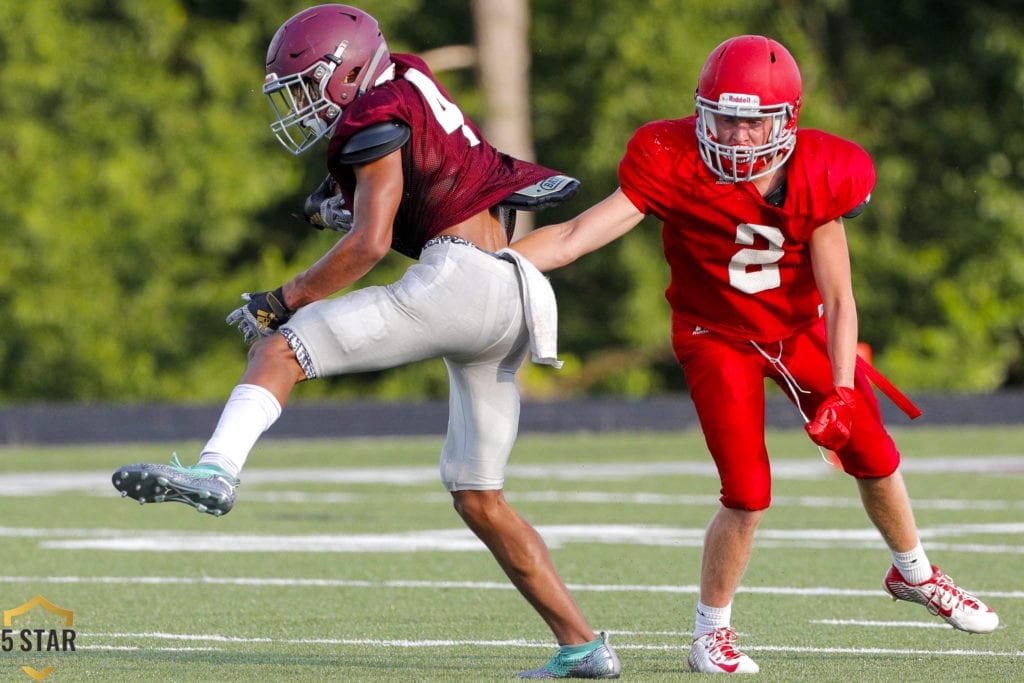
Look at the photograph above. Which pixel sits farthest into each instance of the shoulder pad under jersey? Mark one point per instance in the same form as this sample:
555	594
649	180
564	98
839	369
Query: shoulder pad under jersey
543	194
857	210
373	142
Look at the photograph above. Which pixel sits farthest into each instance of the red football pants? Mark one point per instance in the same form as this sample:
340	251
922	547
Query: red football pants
726	382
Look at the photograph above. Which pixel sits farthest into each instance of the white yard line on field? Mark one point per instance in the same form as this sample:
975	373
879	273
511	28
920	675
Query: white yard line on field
136	648
462	540
620	498
879	624
278	582
882	651
619	645
98	482
645	498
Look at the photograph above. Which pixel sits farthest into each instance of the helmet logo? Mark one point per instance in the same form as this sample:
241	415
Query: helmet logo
740	102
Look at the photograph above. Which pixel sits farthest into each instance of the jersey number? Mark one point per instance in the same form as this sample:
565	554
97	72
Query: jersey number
755	270
446	112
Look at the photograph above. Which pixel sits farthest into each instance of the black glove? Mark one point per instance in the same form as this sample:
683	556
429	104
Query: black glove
261	316
325	208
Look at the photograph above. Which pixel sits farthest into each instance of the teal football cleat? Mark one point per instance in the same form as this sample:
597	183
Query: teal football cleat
207	488
597	661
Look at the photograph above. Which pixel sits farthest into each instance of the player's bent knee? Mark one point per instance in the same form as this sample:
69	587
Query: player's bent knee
882	465
876	473
270	349
476	506
274	351
746	504
746	493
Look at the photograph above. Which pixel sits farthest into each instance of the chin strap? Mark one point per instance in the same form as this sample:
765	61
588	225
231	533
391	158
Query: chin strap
371	68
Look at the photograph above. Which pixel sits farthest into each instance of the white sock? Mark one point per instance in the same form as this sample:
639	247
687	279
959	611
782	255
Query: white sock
913	564
249	411
710	618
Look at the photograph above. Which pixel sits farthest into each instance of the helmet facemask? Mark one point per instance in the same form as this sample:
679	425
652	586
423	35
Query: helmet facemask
304	114
739	163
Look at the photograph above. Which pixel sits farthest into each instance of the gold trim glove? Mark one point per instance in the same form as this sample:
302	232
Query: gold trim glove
263	313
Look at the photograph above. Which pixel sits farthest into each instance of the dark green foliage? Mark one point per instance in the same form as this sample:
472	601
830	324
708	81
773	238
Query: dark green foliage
141	191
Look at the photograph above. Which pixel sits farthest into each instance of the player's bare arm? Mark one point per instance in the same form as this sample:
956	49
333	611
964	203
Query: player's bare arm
830	258
560	244
377	195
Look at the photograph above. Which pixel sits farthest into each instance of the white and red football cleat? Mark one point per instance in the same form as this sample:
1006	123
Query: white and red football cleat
945	599
715	653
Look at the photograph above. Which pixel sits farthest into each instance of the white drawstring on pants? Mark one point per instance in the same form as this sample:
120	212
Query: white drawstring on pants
794	387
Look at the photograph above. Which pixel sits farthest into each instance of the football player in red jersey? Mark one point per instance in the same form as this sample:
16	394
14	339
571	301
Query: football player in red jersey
408	171
752	211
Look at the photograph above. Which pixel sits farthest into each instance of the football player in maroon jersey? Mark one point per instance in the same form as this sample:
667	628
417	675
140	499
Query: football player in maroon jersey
752	211
408	171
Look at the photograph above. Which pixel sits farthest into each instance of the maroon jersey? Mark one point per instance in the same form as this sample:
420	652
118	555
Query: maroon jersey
739	266
451	172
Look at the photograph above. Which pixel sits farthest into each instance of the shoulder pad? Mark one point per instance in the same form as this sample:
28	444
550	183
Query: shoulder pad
543	194
857	210
373	142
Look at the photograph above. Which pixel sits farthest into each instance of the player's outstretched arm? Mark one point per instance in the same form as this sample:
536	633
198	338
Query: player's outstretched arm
560	244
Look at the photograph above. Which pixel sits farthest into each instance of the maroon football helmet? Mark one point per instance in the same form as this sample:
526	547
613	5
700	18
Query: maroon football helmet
748	77
318	62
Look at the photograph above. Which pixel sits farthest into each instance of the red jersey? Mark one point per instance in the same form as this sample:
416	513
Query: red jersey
451	172
739	266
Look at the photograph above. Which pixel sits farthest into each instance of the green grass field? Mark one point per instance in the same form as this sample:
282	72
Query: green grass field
345	561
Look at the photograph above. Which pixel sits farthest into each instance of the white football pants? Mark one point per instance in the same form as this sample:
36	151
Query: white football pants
458	303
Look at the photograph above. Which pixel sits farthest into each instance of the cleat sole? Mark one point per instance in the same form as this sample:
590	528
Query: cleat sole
154	483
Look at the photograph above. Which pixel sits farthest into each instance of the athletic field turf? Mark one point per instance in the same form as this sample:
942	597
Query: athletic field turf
344	560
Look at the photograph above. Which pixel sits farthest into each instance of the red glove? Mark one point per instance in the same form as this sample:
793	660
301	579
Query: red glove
833	423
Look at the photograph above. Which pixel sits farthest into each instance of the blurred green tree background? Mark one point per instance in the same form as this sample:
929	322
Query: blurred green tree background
141	191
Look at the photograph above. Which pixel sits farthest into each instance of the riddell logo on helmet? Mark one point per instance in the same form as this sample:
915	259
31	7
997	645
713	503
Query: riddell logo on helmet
732	99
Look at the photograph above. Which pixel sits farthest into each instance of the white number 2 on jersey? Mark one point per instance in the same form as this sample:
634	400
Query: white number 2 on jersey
446	112
765	275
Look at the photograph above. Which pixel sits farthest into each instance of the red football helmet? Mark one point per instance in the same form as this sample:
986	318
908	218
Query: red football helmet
748	77
318	62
